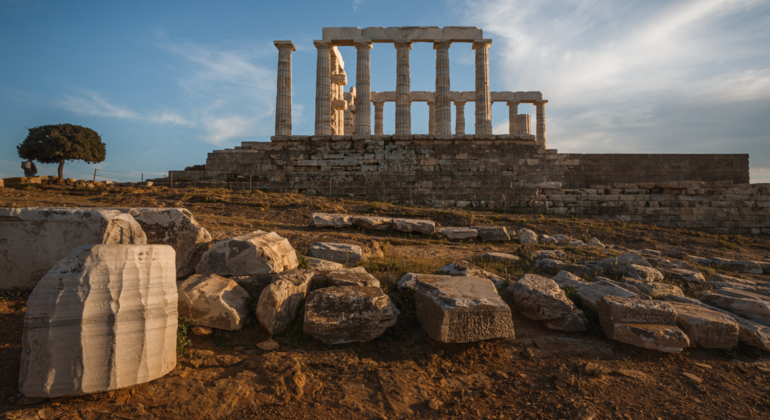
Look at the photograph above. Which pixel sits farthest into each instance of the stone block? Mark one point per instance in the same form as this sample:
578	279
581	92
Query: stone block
356	276
34	239
746	304
500	257
380	34
591	294
623	261
458	232
212	301
462	33
706	328
425	227
567	279
103	318
251	254
659	337
643	273
372	222
527	236
280	300
461	309
540	298
341	253
341	34
614	309
492	233
347	314
655	290
423	33
317	264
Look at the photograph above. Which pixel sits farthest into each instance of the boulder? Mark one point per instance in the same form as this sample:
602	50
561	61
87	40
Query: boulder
562	239
591	294
34	239
643	273
655	290
425	227
622	261
373	222
103	318
706	328
213	301
554	254
659	337
613	309
356	276
255	253
721	278
685	277
751	267
346	314
746	304
641	323
331	220
500	257
458	232
175	227
565	279
583	270
540	298
574	322
527	236
280	300
461	309
466	269
595	243
341	253
492	233
549	263
317	264
684	266
549	240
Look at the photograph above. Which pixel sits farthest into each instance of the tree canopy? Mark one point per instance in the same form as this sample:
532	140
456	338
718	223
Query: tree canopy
62	142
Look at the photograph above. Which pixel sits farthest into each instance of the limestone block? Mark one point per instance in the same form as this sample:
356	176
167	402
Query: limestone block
331	220
574	322
746	304
554	254
175	227
213	301
501	257
623	261
549	263
425	227
659	337
540	298
613	309
342	33
462	33
527	236
103	318
595	243
280	300
643	273
458	232
721	278
567	279
655	290
549	186
251	254
642	323
561	239
492	233
346	314
583	270
529	96
687	277
461	309
379	34
706	328
34	239
373	222
356	276
591	294
317	264
423	33
341	253
466	269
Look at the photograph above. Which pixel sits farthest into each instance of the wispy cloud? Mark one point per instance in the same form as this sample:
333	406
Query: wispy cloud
91	103
357	3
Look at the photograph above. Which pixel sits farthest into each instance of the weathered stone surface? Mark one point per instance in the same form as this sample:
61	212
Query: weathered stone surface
356	276
583	270
614	309
527	236
685	277
549	263
425	227
461	309
213	301
175	227
565	278
34	239
554	254
717	278
591	294
655	290
501	257
373	222
660	337
540	298
493	233
751	267
562	239
346	314
595	243
643	273
103	318
622	261
706	328
750	305
458	232
341	253
331	220
574	322
254	253
318	264
280	300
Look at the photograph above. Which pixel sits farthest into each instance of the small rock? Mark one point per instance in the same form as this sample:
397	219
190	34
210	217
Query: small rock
425	227
565	278
373	222
268	345
458	232
435	404
540	298
527	236
686	277
356	276
341	253
501	257
655	290
692	377
623	261
317	264
595	243
330	220
643	273
213	301
493	233
561	239
202	331
549	264
554	254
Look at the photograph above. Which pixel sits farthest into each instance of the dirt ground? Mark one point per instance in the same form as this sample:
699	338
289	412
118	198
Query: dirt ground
541	374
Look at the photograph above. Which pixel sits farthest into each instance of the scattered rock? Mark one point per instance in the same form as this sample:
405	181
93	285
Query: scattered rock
250	254
213	301
645	324
346	314
425	227
576	242
595	243
582	270
268	345
565	278
201	330
623	261
591	294
554	254
721	278
685	277
643	273
549	264
692	377
699	260
540	298
356	276
562	239
103	318
650	252
461	309
655	290
501	257
706	328
279	302
493	233
330	220
527	236
674	253
574	322
373	222
317	264
548	240
340	253
435	404
750	305
458	232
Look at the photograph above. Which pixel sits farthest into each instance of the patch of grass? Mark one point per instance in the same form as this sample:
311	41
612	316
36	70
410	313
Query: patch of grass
303	262
183	343
15	293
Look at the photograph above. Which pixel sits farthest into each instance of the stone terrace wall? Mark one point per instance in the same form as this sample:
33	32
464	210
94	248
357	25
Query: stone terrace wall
501	172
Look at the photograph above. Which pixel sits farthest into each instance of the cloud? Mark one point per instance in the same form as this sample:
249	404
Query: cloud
92	103
357	3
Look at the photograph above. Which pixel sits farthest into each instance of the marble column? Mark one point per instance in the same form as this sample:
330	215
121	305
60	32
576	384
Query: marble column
443	103
363	88
460	118
403	89
431	117
283	94
483	99
378	108
513	111
323	89
540	133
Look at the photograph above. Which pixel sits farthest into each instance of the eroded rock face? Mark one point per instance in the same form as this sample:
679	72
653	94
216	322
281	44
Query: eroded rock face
706	328
643	273
540	298
461	309
527	236
213	301
34	239
425	227
280	300
749	305
373	222
175	227
103	318
346	314
250	254
642	323
331	220
340	253
356	276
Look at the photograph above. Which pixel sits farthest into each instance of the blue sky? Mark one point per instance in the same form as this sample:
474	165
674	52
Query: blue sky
164	83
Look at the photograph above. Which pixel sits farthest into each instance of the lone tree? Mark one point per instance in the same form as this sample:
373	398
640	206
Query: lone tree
57	143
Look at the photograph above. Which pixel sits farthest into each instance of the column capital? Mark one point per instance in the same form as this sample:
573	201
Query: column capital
403	43
541	102
439	43
480	43
460	102
378	103
513	103
363	43
285	44
322	44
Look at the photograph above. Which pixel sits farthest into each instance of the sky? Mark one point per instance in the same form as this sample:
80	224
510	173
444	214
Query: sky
166	82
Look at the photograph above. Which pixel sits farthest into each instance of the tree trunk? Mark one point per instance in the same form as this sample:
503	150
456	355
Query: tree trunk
61	170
